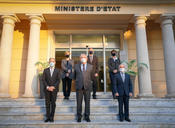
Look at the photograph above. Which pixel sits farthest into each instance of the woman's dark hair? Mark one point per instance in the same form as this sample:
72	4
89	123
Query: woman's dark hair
113	51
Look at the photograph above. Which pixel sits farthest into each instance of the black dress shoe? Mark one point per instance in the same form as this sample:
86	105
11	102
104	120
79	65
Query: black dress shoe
51	120
127	119
87	119
47	120
79	120
120	118
94	97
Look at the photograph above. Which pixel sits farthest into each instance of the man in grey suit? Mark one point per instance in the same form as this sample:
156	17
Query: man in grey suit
67	66
83	83
93	60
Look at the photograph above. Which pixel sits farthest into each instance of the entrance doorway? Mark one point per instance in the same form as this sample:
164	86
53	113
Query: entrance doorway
78	44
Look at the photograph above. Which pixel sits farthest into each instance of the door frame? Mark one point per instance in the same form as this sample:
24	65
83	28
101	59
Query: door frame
104	46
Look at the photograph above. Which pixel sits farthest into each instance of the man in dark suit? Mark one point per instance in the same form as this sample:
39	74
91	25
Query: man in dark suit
93	60
83	84
51	80
123	92
113	64
67	66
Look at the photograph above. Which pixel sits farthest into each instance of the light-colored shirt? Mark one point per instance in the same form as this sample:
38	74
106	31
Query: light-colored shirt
115	58
123	76
52	70
85	66
91	58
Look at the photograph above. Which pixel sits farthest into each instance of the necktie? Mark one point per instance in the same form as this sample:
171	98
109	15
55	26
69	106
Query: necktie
67	63
123	77
83	67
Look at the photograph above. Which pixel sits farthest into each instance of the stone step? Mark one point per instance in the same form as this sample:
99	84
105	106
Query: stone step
133	102
95	109
83	124
168	117
29	113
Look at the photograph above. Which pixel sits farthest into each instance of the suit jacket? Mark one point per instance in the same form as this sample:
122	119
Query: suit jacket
123	87
94	63
66	67
53	80
113	64
83	80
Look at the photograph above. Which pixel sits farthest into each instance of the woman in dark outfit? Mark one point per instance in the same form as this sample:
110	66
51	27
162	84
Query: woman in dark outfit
67	65
113	64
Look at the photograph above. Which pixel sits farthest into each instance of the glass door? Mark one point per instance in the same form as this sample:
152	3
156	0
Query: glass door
78	44
98	52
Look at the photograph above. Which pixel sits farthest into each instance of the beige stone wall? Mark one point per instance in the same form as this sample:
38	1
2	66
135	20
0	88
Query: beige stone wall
155	55
18	60
131	41
19	56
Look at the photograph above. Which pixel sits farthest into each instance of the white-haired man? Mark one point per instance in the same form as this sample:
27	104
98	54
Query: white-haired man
83	83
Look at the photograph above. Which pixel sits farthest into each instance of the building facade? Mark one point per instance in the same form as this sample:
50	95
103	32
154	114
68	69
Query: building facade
34	31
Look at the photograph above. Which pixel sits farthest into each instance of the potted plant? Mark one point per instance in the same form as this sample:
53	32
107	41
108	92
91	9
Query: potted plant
40	67
132	70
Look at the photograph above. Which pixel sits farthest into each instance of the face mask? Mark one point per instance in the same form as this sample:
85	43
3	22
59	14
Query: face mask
83	60
113	54
67	56
122	70
52	64
90	52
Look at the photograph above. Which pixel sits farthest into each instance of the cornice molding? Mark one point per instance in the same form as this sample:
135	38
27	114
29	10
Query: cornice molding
88	1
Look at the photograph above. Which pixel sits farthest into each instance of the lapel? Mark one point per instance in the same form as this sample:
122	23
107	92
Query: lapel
90	60
93	58
53	72
50	72
87	67
80	68
65	62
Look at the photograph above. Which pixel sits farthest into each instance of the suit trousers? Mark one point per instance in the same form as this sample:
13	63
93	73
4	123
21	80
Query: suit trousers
113	83
95	86
79	96
67	82
50	99
123	101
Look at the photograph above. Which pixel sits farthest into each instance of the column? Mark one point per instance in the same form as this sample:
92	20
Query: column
31	83
144	78
169	53
5	53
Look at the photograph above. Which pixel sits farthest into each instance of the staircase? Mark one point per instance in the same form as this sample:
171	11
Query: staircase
144	113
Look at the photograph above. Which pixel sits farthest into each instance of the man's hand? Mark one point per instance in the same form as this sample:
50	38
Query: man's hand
48	88
67	74
96	74
117	94
115	71
51	88
69	71
130	94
